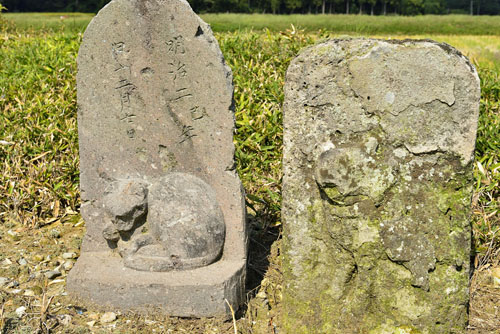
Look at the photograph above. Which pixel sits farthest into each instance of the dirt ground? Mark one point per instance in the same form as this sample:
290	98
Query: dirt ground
34	263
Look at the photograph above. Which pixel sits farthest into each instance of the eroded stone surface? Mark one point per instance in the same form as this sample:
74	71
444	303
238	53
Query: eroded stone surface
378	147
159	189
185	227
126	203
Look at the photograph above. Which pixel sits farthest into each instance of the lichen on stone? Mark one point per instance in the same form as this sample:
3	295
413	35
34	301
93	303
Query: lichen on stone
377	186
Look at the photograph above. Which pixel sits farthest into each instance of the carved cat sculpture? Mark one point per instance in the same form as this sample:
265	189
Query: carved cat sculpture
172	223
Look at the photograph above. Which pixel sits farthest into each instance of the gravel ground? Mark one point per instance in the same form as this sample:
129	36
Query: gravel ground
34	263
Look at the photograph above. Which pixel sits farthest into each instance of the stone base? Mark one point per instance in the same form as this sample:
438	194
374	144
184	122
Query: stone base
101	279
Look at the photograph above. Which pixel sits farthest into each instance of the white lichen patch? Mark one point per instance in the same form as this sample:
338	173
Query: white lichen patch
409	305
366	233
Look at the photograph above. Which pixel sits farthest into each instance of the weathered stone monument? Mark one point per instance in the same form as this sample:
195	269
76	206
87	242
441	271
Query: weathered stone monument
378	151
163	204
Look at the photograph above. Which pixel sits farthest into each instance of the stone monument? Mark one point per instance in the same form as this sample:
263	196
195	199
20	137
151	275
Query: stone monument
162	202
378	154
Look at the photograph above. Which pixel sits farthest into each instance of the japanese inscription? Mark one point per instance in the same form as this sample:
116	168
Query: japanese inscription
178	90
187	133
198	113
178	71
124	86
176	45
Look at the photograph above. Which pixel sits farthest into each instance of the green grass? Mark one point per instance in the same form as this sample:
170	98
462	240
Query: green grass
258	80
360	24
39	156
349	24
39	152
487	172
67	22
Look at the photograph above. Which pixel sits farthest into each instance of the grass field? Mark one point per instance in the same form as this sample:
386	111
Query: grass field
39	167
360	24
67	22
352	24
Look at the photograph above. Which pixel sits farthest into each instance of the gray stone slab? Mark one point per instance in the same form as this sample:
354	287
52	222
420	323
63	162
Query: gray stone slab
161	198
104	283
378	154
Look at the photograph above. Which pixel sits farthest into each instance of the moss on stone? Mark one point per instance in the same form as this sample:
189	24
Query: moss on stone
384	245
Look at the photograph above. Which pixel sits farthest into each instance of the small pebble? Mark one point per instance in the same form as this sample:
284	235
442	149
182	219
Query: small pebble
29	293
20	311
55	233
91	323
13	284
68	256
4	281
68	265
93	316
65	319
16	291
6	262
22	262
108	317
52	274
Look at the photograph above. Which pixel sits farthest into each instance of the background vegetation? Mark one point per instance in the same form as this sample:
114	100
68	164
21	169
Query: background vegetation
340	24
379	7
39	164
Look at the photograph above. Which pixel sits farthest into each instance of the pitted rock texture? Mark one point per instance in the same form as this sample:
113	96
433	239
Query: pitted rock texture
378	151
159	188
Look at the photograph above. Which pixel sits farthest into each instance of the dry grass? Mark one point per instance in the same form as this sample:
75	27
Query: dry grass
485	303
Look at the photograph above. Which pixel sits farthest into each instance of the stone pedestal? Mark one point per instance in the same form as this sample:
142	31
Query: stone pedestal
101	278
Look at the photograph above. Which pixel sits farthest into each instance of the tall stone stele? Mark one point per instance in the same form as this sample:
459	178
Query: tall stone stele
378	153
161	199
